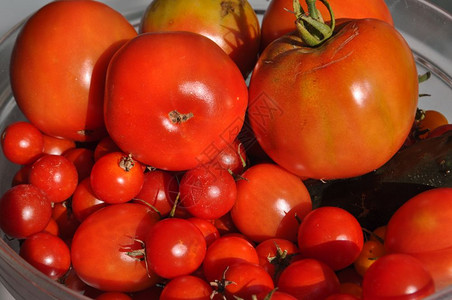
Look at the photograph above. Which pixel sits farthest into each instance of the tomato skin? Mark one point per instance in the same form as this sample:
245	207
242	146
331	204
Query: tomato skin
371	251
73	107
48	253
327	122
421	224
24	210
193	107
277	21
267	202
397	276
100	246
327	230
232	25
186	287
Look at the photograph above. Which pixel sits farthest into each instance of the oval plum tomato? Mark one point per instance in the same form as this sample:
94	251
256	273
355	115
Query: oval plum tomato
224	252
243	279
24	210
116	178
233	25
423	223
22	143
102	246
47	253
308	279
193	107
397	276
84	202
55	175
439	264
269	200
333	98
278	19
75	58
160	189
174	247
327	230
186	287
207	192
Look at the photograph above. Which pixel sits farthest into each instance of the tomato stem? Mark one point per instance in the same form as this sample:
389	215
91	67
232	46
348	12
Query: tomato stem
311	27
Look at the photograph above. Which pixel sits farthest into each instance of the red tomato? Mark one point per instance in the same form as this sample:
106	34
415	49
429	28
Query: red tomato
57	47
439	130
341	101
423	223
232	25
116	178
84	202
21	176
47	253
57	146
439	264
179	109
113	296
174	247
83	160
371	251
278	19
55	175
186	287
207	228
22	143
431	119
24	210
102	245
269	200
225	251
397	276
66	220
331	230
308	279
231	158
104	146
207	192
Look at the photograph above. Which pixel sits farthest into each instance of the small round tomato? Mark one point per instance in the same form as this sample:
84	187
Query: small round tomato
308	279
116	178
57	146
186	287
55	175
269	201
207	192
21	176
22	143
397	276
174	247
371	251
207	228
233	25
232	158
332	235
24	210
83	160
84	202
103	245
179	109
47	253
430	120
65	218
104	146
67	60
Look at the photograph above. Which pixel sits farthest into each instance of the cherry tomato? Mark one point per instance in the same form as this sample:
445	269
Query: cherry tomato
174	247
430	120
269	200
52	227
116	178
371	251
56	146
207	228
84	202
103	246
65	218
334	97
232	158
47	253
22	143
308	279
55	175
21	176
232	25
186	287
104	146
83	160
397	276
24	210
207	192
179	109
279	19
56	47
328	230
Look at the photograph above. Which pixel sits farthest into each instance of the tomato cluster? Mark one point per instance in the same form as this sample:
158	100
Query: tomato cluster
150	169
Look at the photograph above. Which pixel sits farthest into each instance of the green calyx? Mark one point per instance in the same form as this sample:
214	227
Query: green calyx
311	27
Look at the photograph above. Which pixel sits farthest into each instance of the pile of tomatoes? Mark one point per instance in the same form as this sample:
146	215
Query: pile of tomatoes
151	168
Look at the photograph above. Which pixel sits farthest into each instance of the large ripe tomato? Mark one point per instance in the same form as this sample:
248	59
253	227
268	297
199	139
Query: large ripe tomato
102	245
279	19
269	200
233	25
330	111
180	110
58	66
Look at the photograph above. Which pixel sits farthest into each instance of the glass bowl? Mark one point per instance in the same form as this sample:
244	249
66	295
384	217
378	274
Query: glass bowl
426	28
